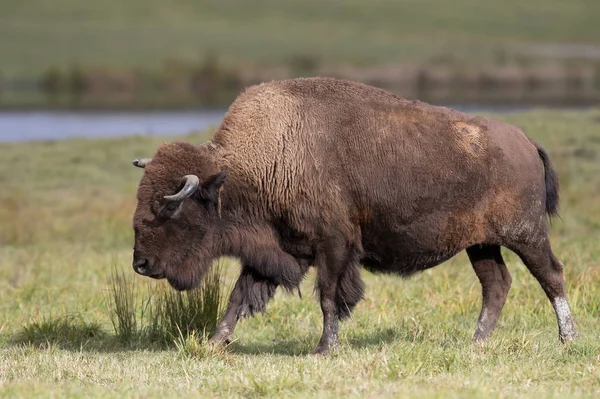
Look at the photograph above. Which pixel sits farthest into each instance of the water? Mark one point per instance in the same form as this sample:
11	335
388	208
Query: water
56	125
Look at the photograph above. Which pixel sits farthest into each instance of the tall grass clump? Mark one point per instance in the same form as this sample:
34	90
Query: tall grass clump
164	315
122	299
172	314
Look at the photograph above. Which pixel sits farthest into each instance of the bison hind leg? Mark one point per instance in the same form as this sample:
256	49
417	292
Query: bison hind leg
495	282
548	271
350	291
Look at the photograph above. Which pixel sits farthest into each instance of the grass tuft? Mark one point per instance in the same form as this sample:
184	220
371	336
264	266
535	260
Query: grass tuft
165	315
122	299
172	313
71	331
194	345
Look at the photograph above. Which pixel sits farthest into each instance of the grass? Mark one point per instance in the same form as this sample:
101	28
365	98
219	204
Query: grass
71	331
65	225
36	34
122	297
165	316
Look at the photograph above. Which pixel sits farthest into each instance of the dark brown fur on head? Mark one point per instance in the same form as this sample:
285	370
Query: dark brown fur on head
175	240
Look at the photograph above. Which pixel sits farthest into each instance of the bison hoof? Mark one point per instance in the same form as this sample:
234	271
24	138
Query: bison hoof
569	337
479	337
324	349
218	341
320	351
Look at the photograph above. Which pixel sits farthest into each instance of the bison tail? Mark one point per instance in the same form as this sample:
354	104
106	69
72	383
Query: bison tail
552	185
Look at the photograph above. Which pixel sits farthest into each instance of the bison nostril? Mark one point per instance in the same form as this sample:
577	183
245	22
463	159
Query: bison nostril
140	266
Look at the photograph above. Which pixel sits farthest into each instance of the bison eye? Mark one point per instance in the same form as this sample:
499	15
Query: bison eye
172	207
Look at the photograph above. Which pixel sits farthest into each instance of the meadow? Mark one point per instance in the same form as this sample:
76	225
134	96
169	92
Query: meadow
36	34
65	227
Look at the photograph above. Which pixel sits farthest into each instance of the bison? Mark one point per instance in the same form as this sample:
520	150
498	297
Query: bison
340	175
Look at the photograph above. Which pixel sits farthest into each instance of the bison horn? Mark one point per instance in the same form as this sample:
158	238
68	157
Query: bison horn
191	185
141	162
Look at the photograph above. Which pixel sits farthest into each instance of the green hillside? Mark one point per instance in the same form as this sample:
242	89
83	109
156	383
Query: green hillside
35	34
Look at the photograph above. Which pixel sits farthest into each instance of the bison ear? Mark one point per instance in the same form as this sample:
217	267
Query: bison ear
210	188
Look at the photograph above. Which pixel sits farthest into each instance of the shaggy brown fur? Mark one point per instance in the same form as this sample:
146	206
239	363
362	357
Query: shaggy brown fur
335	174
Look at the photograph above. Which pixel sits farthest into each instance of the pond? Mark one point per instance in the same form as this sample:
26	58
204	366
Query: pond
55	125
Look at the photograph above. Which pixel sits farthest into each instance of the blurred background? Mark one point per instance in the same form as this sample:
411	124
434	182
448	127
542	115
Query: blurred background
63	61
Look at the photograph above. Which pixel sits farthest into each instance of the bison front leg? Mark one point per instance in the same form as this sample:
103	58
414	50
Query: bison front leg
249	296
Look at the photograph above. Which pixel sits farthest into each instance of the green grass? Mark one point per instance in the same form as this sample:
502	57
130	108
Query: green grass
122	297
163	315
65	223
36	34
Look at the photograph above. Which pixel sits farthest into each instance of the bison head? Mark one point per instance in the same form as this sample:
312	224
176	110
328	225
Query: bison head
177	214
